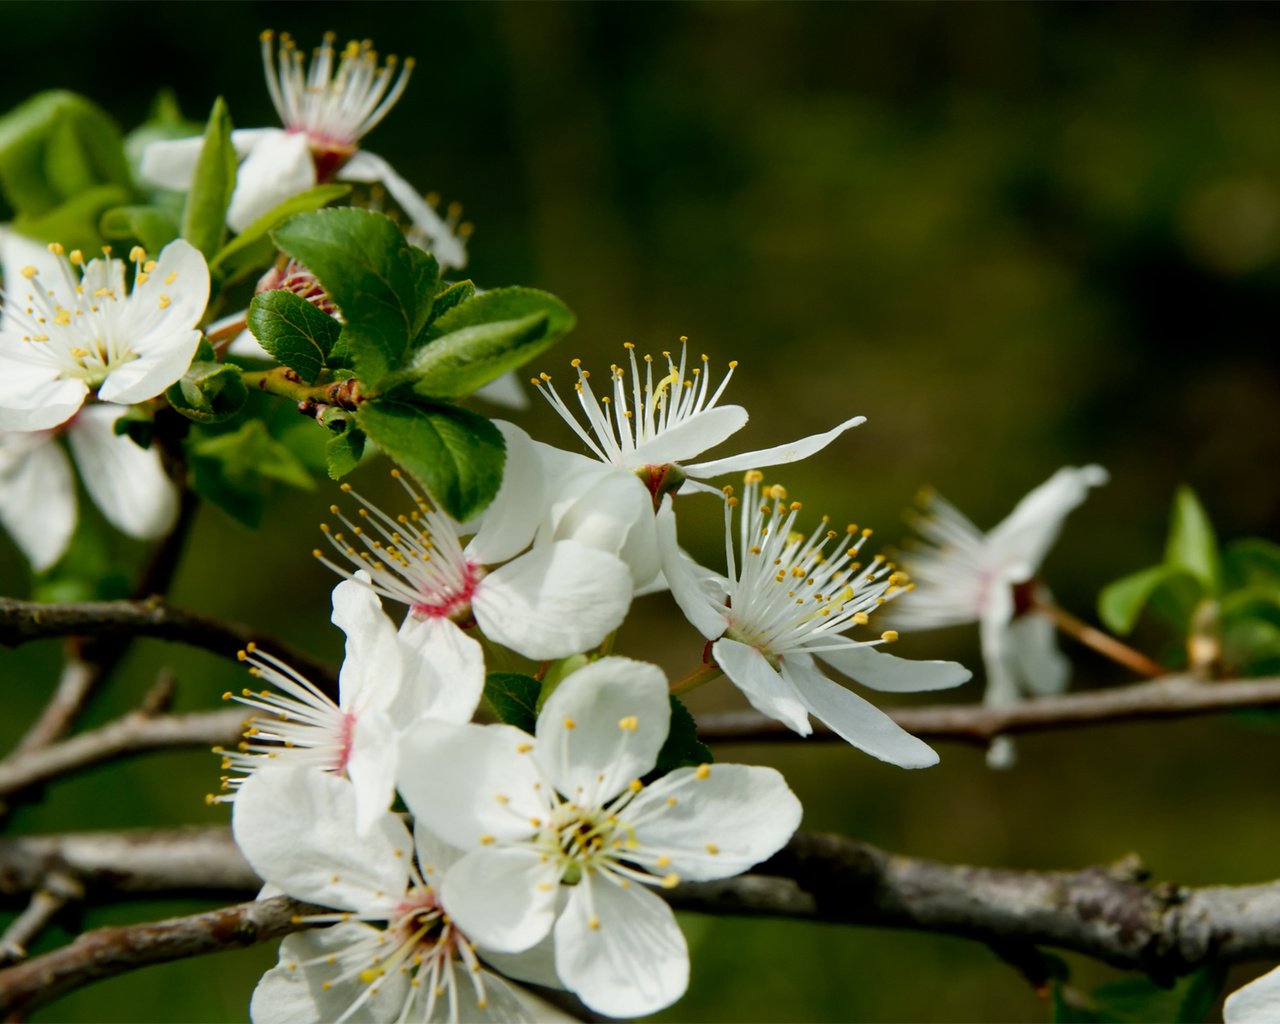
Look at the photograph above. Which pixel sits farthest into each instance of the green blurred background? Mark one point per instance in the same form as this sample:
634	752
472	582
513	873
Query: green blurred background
1014	237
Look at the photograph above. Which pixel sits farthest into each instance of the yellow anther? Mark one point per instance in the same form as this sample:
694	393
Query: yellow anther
630	723
524	748
753	476
593	923
712	849
137	254
635	785
889	636
569	723
170	277
165	302
486	840
62	317
149	266
670	881
663	861
56	248
28	272
702	771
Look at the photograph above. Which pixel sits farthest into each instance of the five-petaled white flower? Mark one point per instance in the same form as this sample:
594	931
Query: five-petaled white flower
550	602
642	436
71	327
1255	1003
38	494
786	600
965	576
562	836
326	110
297	829
383	687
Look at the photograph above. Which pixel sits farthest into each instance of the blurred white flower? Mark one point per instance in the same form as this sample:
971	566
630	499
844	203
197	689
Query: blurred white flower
966	576
1255	1003
563	838
787	600
326	110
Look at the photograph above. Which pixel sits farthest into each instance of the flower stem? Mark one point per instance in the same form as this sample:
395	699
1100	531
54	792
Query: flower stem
704	674
1101	642
286	383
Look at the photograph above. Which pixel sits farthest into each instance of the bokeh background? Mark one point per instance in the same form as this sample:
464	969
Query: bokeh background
1014	237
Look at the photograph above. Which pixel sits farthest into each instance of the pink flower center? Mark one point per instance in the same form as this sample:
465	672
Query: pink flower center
346	739
453	603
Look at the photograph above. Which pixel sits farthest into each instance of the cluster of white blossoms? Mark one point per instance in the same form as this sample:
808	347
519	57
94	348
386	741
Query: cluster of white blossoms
537	855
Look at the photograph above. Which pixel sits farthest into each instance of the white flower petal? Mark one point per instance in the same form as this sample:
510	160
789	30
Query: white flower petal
444	671
768	691
502	897
296	827
182	277
507	390
1033	649
1024	537
452	776
776	456
127	482
512	518
37	496
857	721
171	163
633	962
291	992
32	395
371	766
554	601
147	376
445	247
279	167
698	591
724	820
602	727
691	437
373	666
891	674
1256	1003
435	856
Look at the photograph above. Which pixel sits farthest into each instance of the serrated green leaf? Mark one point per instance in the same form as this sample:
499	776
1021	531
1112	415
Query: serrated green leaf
479	340
234	469
513	698
455	454
1250	562
152	227
1192	544
368	268
253	248
56	146
294	331
1120	603
209	392
344	451
204	218
682	748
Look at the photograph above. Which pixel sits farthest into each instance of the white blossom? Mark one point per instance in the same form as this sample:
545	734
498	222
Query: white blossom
550	602
563	838
326	110
71	327
1255	1003
786	600
394	953
37	490
383	687
965	576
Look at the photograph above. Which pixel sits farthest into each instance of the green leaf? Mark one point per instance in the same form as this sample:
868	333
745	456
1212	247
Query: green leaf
252	248
1251	562
74	223
368	268
1139	1000
209	392
479	340
137	425
1192	545
445	300
204	218
153	227
682	748
1120	603
233	470
457	455
513	698
294	331
345	448
56	146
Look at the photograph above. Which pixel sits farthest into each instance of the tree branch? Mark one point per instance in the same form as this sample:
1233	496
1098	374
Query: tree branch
110	951
135	733
23	621
1170	697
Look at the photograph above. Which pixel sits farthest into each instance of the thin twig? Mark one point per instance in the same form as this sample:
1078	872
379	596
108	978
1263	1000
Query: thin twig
1169	697
46	902
76	681
110	951
135	733
23	621
1103	643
